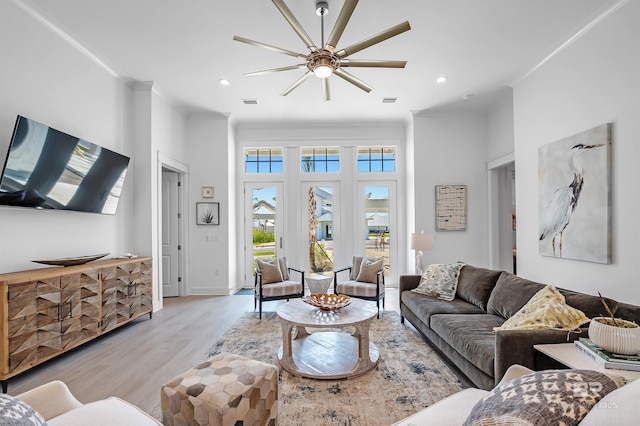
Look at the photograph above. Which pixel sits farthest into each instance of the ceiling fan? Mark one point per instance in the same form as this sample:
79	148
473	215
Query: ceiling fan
325	61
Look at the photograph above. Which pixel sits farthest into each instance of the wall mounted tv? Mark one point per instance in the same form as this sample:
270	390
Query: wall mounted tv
48	169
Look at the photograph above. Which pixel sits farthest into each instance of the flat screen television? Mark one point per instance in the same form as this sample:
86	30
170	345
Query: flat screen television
49	169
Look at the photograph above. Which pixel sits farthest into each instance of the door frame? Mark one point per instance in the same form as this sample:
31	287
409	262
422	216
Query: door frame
166	162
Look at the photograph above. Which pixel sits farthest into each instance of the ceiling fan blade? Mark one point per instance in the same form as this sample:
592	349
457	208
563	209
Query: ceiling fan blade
372	63
353	80
287	68
270	47
325	89
368	42
291	19
341	23
297	83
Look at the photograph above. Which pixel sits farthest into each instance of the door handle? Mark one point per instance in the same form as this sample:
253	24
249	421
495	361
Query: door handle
280	242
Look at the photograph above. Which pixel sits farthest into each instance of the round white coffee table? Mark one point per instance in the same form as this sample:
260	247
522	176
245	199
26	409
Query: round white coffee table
327	354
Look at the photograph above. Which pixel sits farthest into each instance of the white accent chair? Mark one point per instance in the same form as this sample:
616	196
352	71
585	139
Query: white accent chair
273	281
366	280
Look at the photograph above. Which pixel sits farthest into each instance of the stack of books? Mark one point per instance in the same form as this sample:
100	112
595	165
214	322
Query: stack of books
607	359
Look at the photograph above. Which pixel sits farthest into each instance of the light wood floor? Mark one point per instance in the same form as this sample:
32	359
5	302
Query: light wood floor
134	361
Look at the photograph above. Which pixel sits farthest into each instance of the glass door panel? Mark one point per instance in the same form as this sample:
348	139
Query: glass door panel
263	225
377	211
320	226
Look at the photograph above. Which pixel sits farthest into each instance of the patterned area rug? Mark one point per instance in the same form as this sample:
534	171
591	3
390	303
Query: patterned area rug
409	376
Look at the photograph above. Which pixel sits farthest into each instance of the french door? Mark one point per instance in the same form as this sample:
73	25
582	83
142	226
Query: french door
264	230
378	229
320	219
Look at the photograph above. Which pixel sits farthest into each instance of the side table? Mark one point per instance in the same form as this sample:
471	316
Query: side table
318	283
568	355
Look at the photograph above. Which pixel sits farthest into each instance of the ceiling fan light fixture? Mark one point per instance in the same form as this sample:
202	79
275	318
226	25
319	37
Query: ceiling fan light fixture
322	71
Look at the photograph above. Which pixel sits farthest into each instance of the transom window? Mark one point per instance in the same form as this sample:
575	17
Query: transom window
376	159
319	160
263	160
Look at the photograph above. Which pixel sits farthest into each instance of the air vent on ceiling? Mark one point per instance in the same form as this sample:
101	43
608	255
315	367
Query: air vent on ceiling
389	100
250	101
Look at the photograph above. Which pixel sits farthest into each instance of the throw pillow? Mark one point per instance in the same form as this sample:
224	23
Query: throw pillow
270	271
544	398
546	309
369	271
284	270
14	412
440	281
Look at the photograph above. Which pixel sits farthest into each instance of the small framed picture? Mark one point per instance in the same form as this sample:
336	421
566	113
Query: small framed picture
207	213
207	192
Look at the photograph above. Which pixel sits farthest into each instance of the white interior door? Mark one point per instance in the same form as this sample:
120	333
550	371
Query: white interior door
264	235
170	234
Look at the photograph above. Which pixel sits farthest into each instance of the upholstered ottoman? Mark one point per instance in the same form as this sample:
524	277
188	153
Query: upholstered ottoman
225	390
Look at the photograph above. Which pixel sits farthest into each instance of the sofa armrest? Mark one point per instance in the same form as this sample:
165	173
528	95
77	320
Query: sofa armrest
516	346
408	282
51	399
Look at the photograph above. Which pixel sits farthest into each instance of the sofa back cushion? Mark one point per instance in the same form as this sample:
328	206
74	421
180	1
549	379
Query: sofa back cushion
510	294
590	305
475	285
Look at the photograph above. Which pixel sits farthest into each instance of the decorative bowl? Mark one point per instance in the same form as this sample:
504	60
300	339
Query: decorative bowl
619	340
71	261
327	302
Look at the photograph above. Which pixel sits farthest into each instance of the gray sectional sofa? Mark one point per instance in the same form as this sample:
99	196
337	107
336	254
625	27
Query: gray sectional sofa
462	330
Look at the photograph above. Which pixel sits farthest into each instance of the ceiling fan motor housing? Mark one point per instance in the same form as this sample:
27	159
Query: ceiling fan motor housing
322	58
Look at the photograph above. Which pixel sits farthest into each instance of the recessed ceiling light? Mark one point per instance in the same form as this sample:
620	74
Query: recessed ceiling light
468	96
250	101
441	79
224	82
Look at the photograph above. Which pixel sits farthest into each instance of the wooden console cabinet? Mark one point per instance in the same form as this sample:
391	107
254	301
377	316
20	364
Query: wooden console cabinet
45	312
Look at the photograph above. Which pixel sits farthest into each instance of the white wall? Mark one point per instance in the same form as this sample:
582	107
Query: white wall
210	246
44	78
500	128
449	149
593	81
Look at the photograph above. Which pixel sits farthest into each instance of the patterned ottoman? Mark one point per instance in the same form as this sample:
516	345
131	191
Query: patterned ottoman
226	390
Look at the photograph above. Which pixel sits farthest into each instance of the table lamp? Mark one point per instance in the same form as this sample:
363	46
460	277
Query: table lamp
421	242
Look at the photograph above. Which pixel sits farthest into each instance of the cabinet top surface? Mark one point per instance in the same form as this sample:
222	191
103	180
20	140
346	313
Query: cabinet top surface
54	271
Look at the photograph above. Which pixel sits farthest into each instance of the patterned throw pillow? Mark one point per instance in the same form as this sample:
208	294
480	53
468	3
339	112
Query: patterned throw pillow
440	281
14	412
270	270
369	271
546	309
544	398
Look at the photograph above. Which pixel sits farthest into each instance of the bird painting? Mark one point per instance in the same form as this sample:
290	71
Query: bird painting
574	195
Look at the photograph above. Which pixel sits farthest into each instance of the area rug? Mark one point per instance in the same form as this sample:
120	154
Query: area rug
408	378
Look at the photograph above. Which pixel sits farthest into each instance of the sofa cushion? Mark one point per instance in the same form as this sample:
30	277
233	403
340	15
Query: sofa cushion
358	289
545	398
472	336
424	306
475	285
280	289
510	294
14	412
451	411
546	309
106	412
440	281
590	305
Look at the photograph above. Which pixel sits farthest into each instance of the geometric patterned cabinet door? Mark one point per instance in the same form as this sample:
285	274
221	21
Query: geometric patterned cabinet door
45	312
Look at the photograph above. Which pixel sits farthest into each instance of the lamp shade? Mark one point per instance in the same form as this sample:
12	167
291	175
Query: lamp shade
421	241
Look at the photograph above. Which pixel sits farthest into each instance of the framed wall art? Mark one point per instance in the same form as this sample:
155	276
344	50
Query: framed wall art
451	207
574	197
207	213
